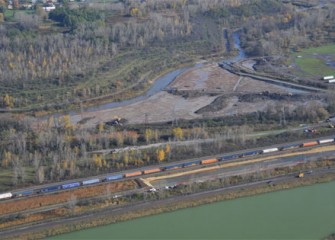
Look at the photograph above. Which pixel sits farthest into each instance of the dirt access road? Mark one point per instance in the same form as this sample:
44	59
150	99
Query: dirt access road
208	82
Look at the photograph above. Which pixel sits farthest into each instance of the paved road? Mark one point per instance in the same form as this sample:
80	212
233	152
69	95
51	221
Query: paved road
209	140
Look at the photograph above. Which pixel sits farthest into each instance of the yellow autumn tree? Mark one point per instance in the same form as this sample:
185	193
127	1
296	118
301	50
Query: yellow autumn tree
168	148
6	159
8	101
148	135
160	155
67	121
97	160
178	133
125	159
65	164
101	127
134	11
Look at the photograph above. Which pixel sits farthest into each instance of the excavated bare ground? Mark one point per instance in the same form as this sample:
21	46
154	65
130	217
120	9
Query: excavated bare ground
210	78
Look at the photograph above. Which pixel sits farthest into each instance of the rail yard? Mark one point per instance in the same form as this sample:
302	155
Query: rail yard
167	177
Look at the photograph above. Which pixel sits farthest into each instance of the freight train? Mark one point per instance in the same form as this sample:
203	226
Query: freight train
137	173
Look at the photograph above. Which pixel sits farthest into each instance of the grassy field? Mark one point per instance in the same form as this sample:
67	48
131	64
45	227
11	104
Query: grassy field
327	49
9	14
312	62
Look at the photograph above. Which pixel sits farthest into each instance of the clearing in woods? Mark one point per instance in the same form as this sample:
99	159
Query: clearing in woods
193	90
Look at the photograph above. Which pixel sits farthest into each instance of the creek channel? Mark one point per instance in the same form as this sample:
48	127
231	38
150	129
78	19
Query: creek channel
161	83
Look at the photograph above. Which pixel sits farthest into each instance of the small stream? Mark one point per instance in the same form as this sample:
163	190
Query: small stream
161	83
237	44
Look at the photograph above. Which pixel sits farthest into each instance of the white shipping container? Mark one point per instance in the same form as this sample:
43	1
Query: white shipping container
5	195
328	77
270	150
326	141
331	81
91	181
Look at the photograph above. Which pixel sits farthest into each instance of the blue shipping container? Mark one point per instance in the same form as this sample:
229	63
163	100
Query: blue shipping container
250	153
91	181
173	166
114	177
229	157
71	185
296	145
51	189
189	164
25	193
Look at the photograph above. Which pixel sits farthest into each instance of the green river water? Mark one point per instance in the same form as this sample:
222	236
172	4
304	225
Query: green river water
300	213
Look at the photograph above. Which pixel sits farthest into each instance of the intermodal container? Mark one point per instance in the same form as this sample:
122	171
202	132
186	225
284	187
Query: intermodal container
290	146
91	181
269	150
133	174
171	167
6	195
51	189
328	77
323	141
155	170
193	163
114	177
23	194
228	157
208	161
250	153
309	144
71	185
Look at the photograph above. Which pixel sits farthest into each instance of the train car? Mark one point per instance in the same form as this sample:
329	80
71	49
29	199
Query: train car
50	189
24	193
310	144
133	174
208	161
324	141
91	181
229	157
250	153
328	77
290	146
154	170
71	185
270	150
175	166
193	163
113	177
6	195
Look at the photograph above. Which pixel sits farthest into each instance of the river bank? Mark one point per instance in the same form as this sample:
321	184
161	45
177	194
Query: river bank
301	213
173	205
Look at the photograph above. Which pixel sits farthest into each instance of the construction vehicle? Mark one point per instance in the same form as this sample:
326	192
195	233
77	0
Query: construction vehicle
301	175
